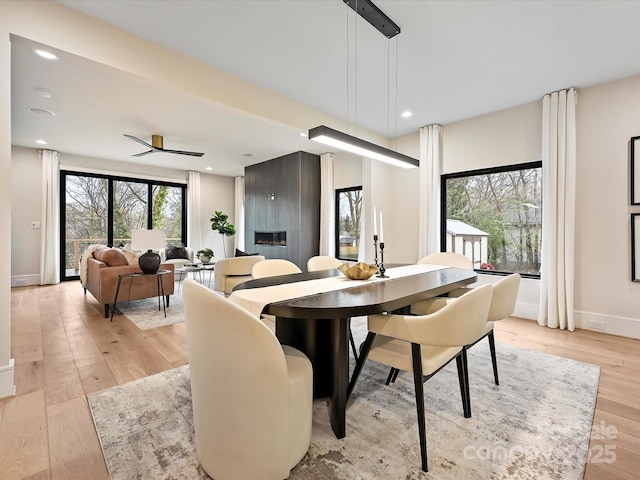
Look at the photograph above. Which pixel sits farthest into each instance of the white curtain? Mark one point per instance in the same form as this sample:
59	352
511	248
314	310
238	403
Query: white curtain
50	219
558	209
429	208
327	206
239	213
365	250
194	211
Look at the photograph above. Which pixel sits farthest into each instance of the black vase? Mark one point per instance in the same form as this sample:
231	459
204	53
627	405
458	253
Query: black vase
149	262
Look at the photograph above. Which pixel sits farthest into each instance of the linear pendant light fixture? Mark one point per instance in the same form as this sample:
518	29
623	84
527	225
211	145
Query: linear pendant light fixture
376	17
343	141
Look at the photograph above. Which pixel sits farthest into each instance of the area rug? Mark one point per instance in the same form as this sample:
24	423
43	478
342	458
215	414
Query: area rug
144	313
535	425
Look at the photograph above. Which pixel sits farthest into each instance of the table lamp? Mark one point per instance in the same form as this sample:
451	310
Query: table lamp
148	240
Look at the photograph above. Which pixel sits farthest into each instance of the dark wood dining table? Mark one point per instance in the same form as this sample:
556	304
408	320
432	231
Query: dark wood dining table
318	324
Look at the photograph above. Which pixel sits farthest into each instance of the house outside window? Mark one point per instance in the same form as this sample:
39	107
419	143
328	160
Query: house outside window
348	210
494	217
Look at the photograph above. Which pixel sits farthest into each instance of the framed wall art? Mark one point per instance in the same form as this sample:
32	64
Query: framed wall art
634	160
635	247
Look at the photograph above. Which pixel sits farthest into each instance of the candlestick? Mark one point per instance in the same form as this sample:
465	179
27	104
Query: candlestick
381	266
375	249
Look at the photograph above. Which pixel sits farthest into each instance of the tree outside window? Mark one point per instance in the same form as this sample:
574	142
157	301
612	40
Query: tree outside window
348	211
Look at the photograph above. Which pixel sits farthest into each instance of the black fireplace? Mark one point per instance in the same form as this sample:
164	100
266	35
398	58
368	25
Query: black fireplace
278	239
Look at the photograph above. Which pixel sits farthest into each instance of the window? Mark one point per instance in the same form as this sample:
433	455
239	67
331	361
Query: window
103	209
494	217
348	208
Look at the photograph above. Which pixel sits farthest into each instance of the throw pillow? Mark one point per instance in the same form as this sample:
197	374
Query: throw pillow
130	255
110	256
172	252
240	253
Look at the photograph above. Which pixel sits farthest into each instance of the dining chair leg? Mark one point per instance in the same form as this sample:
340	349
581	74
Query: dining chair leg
416	355
390	376
464	390
353	344
465	367
395	375
494	360
364	351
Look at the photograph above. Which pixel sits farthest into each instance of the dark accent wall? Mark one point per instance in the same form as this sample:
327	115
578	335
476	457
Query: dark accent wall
283	195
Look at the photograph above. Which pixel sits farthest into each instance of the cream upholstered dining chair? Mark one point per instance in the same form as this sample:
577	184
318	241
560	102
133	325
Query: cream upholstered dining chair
426	343
449	259
322	262
325	262
231	272
273	267
503	303
252	397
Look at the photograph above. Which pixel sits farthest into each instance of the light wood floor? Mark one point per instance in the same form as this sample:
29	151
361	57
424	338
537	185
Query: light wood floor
64	349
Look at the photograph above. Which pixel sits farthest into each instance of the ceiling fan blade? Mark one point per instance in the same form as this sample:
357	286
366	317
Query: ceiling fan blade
181	152
145	153
136	139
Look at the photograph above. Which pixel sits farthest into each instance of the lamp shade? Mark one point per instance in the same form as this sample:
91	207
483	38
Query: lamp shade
147	239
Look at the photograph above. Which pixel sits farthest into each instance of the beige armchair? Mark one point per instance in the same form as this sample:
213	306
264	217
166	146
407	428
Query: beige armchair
230	272
178	262
322	262
252	397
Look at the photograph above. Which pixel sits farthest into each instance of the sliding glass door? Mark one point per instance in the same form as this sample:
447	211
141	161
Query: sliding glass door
102	209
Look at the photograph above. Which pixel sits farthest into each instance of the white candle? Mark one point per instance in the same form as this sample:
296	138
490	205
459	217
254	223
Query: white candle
375	223
381	228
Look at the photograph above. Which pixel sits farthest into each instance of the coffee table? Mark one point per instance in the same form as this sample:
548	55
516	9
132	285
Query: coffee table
196	268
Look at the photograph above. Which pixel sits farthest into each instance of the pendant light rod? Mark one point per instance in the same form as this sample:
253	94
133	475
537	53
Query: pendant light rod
376	17
343	141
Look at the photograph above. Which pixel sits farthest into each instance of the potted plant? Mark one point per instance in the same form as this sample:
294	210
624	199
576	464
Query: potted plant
220	223
205	255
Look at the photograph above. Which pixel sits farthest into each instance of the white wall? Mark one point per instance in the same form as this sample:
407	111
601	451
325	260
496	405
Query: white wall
217	193
607	117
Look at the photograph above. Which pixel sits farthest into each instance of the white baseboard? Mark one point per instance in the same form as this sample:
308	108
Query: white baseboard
7	385
596	322
526	310
613	325
22	280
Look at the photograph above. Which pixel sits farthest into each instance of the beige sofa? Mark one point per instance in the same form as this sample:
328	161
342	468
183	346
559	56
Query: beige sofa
103	270
230	272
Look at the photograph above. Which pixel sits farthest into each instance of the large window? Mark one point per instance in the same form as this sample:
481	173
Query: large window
494	217
348	209
105	209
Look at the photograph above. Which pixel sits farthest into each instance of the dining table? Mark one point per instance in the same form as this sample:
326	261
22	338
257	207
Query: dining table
313	311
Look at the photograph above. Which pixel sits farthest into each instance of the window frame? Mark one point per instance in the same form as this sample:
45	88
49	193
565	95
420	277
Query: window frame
336	232
110	197
472	173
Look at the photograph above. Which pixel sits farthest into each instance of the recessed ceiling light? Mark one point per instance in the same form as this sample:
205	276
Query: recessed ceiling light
41	142
247	154
42	111
303	134
208	168
406	114
44	93
45	54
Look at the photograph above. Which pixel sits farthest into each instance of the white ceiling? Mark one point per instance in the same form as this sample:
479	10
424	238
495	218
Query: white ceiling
455	60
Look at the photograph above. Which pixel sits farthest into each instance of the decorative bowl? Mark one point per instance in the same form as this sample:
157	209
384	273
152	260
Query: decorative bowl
359	271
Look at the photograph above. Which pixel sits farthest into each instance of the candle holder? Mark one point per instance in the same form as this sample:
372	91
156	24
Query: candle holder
381	266
375	249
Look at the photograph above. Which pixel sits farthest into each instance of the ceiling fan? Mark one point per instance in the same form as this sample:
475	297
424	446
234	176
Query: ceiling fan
156	146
